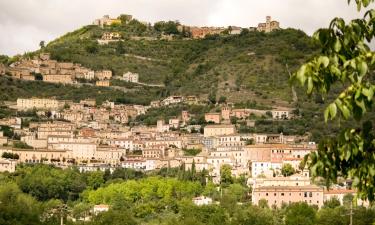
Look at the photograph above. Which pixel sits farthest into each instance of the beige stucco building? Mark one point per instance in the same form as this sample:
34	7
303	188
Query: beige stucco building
38	103
278	195
58	78
217	130
269	25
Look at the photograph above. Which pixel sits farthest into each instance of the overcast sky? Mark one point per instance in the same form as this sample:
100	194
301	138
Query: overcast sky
24	23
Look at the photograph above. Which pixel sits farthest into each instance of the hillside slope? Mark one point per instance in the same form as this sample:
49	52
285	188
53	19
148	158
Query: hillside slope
250	66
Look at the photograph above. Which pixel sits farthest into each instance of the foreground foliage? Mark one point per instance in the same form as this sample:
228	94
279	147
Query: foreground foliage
347	59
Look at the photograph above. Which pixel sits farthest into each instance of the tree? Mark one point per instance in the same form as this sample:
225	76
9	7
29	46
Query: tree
114	217
226	175
120	48
332	203
95	179
42	44
125	18
347	59
287	170
300	213
17	207
222	99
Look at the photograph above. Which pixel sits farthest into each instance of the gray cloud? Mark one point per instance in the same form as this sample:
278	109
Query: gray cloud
24	23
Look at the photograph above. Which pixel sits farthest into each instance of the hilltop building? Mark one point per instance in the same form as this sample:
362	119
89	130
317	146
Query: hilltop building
106	21
269	25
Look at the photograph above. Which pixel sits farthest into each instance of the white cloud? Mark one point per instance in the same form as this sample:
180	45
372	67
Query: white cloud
24	23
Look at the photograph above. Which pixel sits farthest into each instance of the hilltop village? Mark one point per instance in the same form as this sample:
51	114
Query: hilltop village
42	67
92	136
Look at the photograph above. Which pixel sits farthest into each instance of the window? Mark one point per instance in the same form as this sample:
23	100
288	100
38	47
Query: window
305	194
310	194
282	194
274	194
266	194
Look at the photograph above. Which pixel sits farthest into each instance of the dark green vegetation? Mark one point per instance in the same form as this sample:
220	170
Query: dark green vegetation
347	60
36	194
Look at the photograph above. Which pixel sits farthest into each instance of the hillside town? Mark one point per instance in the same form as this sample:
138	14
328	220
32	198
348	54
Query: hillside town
127	121
97	137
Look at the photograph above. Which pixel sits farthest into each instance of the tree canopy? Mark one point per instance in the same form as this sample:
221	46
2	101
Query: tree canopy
345	59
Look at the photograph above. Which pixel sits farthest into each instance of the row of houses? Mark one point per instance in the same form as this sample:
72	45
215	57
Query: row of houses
43	68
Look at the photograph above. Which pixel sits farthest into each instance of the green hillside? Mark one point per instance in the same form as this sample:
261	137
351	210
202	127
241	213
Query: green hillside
250	66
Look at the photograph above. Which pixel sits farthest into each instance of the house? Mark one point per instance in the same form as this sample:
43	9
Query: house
201	32
268	26
212	117
100	208
39	103
8	165
89	75
202	200
172	100
279	195
174	123
102	83
103	75
111	35
216	130
161	127
131	77
280	114
294	180
191	100
58	78
152	153
264	168
88	102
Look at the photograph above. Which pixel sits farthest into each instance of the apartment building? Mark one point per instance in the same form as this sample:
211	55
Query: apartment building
39	103
58	78
217	130
103	75
278	195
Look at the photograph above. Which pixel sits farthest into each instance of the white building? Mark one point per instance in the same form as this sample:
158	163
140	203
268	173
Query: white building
100	208
8	165
280	114
131	77
202	200
265	168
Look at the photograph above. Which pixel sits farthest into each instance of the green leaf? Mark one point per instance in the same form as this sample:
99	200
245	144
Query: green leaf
323	60
362	68
337	45
310	85
332	109
326	114
368	92
345	111
301	74
361	104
